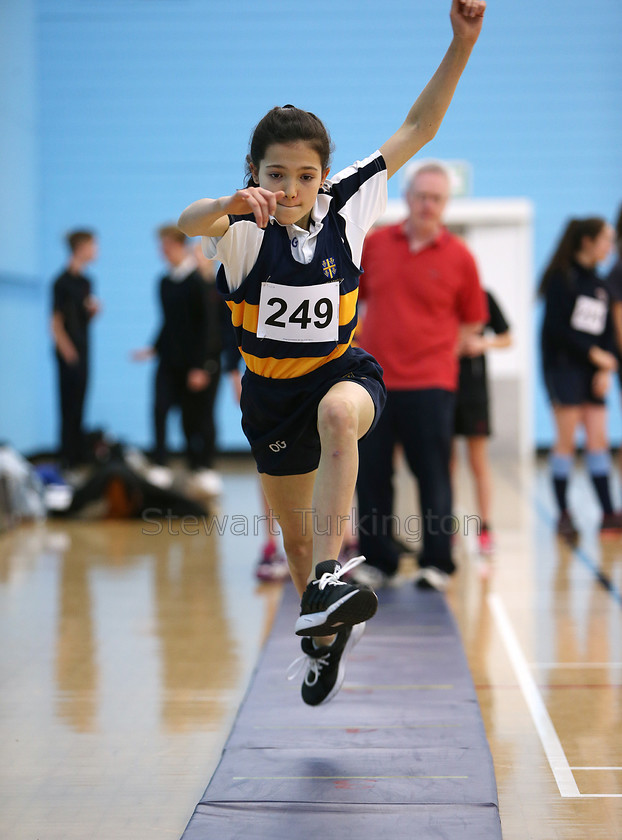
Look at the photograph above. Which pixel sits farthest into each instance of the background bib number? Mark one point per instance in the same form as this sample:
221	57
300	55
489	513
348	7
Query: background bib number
299	313
589	315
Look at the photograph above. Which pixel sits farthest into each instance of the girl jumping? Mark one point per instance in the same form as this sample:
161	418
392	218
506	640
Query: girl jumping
290	246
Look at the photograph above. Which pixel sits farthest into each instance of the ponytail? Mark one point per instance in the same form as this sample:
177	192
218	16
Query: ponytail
569	246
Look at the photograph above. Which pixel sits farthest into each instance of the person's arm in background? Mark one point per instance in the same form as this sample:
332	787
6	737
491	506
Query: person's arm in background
608	345
614	282
616	316
64	345
202	365
221	330
497	334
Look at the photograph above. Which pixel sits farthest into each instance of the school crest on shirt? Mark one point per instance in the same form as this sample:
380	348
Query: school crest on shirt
329	268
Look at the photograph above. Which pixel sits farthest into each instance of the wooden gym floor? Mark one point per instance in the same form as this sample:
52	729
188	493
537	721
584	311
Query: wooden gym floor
124	654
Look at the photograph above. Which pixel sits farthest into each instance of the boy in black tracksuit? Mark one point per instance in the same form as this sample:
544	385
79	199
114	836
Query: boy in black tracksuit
188	349
73	306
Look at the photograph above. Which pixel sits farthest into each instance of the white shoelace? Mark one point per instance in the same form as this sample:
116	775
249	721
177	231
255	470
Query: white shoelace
332	578
312	664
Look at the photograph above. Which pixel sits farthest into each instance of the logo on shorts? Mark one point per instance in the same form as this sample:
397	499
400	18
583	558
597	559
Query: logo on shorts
329	268
277	445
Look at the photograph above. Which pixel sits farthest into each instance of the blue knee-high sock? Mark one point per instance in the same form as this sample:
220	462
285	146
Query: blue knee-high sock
560	470
599	468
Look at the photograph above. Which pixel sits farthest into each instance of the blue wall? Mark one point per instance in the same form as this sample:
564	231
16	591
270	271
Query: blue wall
145	106
21	310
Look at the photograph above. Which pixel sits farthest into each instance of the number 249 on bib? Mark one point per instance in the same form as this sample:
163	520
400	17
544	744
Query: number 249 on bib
299	313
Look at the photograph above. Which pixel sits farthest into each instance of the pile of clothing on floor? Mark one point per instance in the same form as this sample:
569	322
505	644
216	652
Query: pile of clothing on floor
115	486
22	494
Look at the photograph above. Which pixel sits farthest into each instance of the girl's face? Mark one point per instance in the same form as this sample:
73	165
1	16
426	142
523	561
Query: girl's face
598	249
296	169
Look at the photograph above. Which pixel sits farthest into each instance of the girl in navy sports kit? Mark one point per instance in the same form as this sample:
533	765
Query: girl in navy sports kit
290	246
578	357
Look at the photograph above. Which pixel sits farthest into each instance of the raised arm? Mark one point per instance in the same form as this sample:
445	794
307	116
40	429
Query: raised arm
426	115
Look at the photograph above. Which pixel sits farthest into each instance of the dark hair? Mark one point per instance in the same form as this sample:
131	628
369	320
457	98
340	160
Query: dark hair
75	238
569	246
287	125
619	230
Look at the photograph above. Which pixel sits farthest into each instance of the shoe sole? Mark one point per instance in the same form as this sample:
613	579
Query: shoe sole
354	639
571	539
353	608
271	575
431	581
610	533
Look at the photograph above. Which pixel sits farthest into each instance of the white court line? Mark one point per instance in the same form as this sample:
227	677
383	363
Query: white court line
596	768
544	726
579	665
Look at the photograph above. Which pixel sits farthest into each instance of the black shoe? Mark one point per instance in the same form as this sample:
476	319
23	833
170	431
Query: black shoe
329	603
566	528
611	525
429	577
326	666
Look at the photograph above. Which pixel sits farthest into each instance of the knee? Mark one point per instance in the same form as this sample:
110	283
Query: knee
337	418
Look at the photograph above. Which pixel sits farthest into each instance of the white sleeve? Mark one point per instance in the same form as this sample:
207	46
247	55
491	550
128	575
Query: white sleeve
362	189
237	250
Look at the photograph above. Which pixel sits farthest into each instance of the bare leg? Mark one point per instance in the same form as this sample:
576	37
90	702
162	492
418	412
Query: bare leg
344	415
567	418
270	533
595	423
312	508
290	497
480	469
598	458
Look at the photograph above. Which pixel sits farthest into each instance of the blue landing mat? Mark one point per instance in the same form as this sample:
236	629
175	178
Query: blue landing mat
401	748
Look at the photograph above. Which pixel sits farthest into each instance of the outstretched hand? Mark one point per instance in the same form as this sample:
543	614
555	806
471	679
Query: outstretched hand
467	17
256	200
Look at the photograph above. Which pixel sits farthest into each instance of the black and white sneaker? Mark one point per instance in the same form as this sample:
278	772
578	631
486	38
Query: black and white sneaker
329	603
429	577
325	666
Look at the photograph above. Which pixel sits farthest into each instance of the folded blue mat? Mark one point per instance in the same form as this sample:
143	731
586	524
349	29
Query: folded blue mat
402	746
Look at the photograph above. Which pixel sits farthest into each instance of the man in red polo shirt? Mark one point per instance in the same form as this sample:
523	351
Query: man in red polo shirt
422	299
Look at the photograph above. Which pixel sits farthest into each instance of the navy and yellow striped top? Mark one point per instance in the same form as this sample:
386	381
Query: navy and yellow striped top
288	256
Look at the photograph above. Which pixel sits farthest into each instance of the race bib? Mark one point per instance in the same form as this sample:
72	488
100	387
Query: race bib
589	315
299	313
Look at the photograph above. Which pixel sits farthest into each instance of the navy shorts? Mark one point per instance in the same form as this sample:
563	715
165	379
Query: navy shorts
279	416
571	385
472	419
